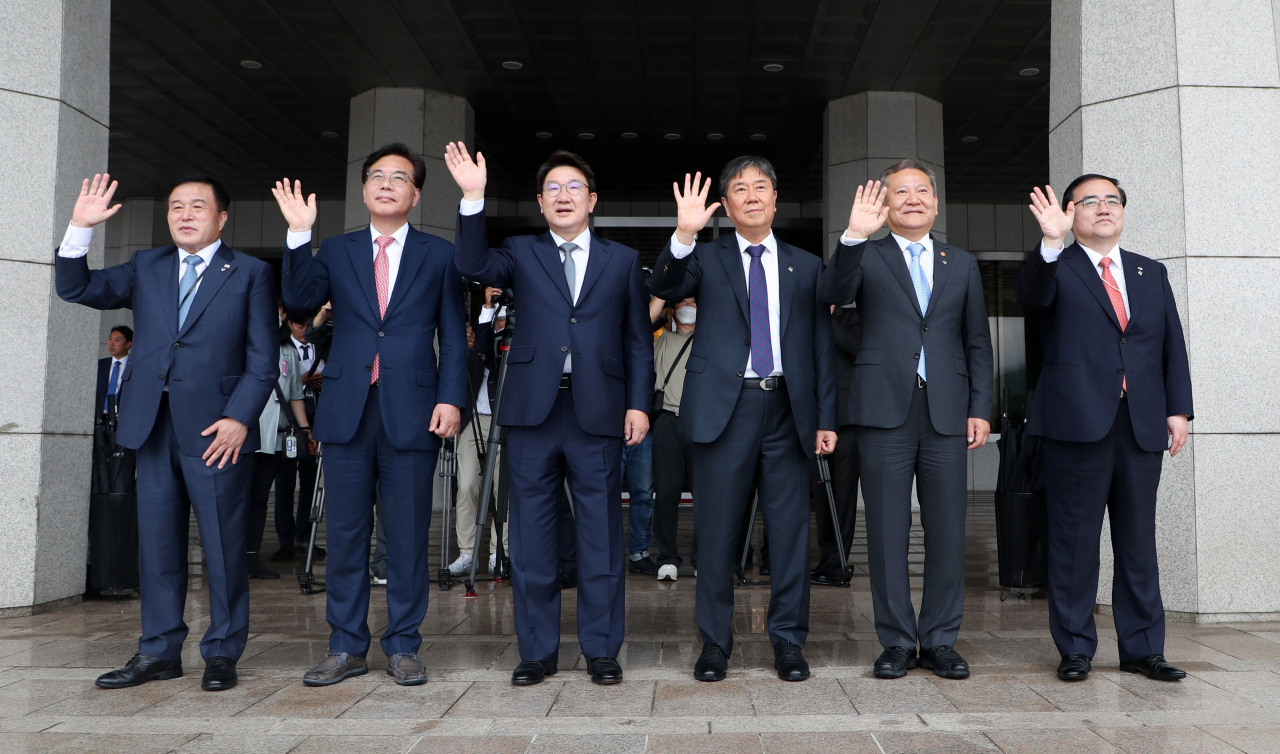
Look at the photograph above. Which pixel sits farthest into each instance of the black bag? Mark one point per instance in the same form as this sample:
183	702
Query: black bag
113	512
660	394
1022	519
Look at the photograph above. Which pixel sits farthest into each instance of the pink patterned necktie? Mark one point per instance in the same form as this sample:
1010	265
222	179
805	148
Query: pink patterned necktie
381	279
1117	302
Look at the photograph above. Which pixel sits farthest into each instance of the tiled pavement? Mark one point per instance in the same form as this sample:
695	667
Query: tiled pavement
1013	704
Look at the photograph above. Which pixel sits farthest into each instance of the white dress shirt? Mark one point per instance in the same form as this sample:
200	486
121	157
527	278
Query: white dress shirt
1117	267
306	357
482	395
926	256
394	250
769	260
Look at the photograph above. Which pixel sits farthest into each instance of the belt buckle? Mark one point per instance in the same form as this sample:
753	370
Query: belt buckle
768	383
919	382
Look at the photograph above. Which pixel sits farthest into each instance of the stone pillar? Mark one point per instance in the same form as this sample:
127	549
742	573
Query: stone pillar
426	121
865	133
1179	101
53	112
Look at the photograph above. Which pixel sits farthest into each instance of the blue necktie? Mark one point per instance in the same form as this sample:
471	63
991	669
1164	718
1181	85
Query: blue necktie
111	385
758	293
189	279
922	292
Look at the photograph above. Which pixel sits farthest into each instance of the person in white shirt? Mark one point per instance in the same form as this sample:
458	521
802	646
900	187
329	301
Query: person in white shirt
111	367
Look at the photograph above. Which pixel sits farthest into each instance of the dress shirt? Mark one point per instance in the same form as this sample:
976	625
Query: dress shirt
306	357
1051	255
769	259
482	395
394	250
119	375
926	256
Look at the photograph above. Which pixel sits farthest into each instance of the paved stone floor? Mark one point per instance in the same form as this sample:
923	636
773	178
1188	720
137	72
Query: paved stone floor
1013	703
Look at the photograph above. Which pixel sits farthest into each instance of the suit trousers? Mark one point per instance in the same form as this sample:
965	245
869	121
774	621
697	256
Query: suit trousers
292	521
170	485
470	469
541	458
844	485
889	460
672	475
759	447
1082	480
403	478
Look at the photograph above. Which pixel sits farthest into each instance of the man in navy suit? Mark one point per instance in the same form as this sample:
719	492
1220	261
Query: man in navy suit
202	367
387	401
580	381
759	400
112	366
1113	395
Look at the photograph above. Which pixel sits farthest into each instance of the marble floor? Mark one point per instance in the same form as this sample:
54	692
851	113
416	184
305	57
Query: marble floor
1012	704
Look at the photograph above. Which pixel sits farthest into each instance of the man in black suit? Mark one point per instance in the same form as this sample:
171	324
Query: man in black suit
751	422
111	368
1115	387
921	385
844	462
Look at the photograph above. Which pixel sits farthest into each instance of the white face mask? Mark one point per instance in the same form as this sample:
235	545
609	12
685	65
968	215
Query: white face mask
686	315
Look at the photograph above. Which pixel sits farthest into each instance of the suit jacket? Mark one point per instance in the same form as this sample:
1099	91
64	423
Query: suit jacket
954	333
425	302
1087	357
607	331
222	363
847	332
713	274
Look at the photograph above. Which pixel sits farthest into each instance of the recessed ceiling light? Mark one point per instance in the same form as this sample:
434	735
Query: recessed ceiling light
586	135
671	137
512	65
252	65
118	135
1028	71
715	136
329	134
773	67
629	134
543	134
968	138
759	137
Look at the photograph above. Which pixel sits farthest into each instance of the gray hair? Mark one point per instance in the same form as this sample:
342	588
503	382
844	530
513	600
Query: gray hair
911	164
739	164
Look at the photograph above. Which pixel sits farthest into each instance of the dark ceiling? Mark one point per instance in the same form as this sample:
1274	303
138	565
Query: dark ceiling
182	100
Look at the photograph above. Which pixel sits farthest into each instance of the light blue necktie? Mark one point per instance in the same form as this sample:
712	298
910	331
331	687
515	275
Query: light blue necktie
193	262
111	385
922	293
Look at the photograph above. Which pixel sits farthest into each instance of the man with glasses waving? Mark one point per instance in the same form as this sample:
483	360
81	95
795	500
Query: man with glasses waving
579	384
387	401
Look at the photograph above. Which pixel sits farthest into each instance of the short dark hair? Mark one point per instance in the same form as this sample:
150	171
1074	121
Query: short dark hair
1071	187
124	330
396	149
221	197
910	164
738	164
563	158
301	318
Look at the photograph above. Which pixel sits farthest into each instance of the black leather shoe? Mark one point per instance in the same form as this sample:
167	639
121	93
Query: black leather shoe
140	669
944	661
530	672
643	565
284	553
257	570
826	575
789	663
568	580
1074	667
219	674
894	662
712	664
1154	667
764	569
604	671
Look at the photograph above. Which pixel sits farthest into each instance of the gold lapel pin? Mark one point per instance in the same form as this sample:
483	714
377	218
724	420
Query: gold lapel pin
1139	270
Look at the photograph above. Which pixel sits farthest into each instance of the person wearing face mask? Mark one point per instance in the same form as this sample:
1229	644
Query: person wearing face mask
672	448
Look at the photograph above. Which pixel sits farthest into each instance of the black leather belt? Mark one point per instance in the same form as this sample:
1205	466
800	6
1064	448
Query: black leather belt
375	382
1123	393
566	381
764	383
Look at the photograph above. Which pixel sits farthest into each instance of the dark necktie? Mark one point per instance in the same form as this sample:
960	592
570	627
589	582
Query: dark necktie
758	292
111	385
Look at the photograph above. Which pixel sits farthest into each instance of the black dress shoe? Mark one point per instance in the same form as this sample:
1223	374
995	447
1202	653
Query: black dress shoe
141	668
1154	667
712	664
827	575
894	662
219	674
789	663
530	672
284	553
643	565
568	580
1074	667
257	570
944	661
764	569
604	671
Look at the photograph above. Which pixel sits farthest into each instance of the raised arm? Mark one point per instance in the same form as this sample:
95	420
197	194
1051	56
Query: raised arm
472	255
843	278
111	288
1037	283
676	274
305	279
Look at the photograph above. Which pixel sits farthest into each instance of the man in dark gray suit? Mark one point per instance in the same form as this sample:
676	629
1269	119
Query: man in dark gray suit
922	381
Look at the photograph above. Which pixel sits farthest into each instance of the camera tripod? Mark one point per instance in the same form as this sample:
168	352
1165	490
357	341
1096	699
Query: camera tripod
306	579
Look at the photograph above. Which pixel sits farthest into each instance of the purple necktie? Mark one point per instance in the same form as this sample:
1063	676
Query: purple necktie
761	342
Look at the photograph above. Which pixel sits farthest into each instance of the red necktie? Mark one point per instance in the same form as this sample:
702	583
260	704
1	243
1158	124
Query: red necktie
1117	302
381	279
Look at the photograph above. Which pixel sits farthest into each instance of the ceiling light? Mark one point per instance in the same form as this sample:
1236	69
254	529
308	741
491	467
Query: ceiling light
1028	71
629	134
586	135
715	136
512	65
759	137
773	67
118	135
543	134
968	138
671	137
252	65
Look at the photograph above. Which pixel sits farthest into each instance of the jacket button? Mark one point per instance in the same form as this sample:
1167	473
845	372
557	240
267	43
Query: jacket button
739	374
162	376
1120	370
381	334
915	355
564	348
746	342
368	367
926	328
1124	340
574	320
176	346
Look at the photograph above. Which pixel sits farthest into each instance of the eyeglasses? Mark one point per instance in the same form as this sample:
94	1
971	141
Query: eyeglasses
1093	202
399	179
573	187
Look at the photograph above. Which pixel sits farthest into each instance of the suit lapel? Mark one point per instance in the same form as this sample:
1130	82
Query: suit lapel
360	248
549	254
220	268
731	258
1078	262
1133	282
412	256
167	279
941	271
786	286
892	255
597	257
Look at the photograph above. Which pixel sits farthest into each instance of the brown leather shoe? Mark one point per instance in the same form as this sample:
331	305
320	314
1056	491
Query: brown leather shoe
335	668
407	668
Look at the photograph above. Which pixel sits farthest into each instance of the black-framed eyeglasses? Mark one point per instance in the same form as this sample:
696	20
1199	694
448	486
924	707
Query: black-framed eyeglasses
573	187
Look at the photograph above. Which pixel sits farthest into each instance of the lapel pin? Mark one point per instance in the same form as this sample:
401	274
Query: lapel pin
226	267
791	269
1139	270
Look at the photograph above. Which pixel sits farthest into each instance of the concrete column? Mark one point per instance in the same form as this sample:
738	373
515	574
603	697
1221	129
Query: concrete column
1179	101
864	134
426	121
53	112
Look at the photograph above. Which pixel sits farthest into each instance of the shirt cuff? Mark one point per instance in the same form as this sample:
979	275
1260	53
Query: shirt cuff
294	240
470	207
75	243
1049	255
679	250
848	240
486	315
